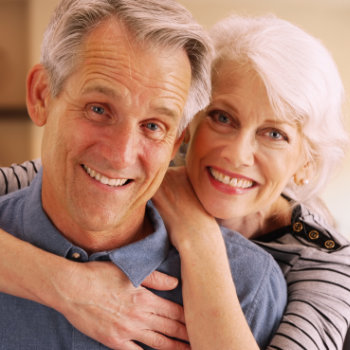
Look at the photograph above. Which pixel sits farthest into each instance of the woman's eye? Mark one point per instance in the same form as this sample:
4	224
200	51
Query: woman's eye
220	117
277	135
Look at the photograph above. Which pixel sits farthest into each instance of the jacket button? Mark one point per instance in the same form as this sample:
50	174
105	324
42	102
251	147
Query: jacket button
314	235
298	226
330	244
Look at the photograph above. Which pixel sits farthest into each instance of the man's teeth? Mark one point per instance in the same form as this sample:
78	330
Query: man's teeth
103	179
231	181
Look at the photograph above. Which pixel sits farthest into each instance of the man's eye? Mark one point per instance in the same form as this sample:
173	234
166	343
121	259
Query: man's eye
154	130
152	126
97	109
98	113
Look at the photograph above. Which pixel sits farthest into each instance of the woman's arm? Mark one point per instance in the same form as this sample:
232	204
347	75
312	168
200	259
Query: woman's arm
213	314
18	176
90	296
318	311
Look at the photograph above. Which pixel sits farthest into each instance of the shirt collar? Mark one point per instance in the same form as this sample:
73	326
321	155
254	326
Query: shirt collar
137	260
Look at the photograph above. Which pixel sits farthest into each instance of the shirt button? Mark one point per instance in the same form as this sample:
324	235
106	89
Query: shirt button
314	235
330	244
298	226
76	256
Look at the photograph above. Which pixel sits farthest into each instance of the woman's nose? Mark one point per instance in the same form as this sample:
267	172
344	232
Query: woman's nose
240	150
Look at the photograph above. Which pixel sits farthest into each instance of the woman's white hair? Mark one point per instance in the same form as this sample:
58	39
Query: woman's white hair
302	83
159	23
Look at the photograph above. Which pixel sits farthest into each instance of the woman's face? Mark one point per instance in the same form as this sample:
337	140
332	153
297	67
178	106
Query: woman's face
241	155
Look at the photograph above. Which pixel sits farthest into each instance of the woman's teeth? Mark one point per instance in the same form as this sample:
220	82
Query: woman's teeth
231	181
103	179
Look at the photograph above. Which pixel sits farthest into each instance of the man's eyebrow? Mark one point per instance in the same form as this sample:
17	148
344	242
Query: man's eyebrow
162	110
100	89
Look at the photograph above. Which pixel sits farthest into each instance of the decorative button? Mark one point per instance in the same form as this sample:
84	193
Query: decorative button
298	226
329	244
314	235
76	255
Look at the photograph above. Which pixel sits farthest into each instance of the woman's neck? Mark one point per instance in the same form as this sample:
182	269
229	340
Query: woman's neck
262	222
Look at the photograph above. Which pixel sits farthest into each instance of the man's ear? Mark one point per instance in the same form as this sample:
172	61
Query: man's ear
187	136
38	94
178	143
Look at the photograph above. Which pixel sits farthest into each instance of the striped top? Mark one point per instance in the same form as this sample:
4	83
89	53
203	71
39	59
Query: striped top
315	260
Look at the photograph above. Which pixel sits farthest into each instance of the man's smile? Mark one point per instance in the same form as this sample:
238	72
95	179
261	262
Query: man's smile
104	179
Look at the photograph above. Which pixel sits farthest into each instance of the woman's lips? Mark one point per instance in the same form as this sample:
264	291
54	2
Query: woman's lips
232	184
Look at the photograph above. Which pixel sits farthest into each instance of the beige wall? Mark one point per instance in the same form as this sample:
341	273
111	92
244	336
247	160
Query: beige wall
39	12
13	53
327	19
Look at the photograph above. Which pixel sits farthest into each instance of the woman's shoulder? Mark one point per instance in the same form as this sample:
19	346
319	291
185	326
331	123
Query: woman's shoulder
308	242
307	230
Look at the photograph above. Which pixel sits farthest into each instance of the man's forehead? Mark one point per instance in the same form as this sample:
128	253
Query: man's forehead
112	31
115	65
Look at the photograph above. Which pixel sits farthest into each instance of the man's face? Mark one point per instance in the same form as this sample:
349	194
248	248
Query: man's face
111	132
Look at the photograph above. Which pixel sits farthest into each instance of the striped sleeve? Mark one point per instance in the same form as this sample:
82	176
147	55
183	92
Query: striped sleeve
318	312
18	176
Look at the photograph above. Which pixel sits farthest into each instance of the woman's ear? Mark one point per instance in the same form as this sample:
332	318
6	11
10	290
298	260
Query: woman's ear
304	174
38	94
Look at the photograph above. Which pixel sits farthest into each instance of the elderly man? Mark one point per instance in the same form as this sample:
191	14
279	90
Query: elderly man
117	85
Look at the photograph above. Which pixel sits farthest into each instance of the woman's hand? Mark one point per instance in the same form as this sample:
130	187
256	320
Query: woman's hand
184	216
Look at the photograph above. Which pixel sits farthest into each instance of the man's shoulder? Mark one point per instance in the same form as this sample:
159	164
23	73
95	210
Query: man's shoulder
13	200
252	263
259	282
11	210
236	243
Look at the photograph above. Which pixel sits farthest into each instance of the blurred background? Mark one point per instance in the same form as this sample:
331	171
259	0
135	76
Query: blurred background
22	23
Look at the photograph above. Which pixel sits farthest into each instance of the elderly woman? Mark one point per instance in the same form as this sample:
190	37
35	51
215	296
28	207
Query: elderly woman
257	159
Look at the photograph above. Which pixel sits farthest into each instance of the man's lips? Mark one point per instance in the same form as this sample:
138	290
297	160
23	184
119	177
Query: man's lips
235	182
104	179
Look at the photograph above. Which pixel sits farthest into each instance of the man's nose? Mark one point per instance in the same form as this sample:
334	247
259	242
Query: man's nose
121	145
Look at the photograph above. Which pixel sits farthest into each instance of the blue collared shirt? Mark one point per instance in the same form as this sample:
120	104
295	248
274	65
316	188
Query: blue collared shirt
27	325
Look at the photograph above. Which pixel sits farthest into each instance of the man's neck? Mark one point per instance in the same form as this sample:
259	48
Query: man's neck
132	230
94	242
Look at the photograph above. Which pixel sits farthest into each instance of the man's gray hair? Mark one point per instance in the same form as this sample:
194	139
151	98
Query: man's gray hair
163	23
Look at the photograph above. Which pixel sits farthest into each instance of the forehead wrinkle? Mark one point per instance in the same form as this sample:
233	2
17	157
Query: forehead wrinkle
104	90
